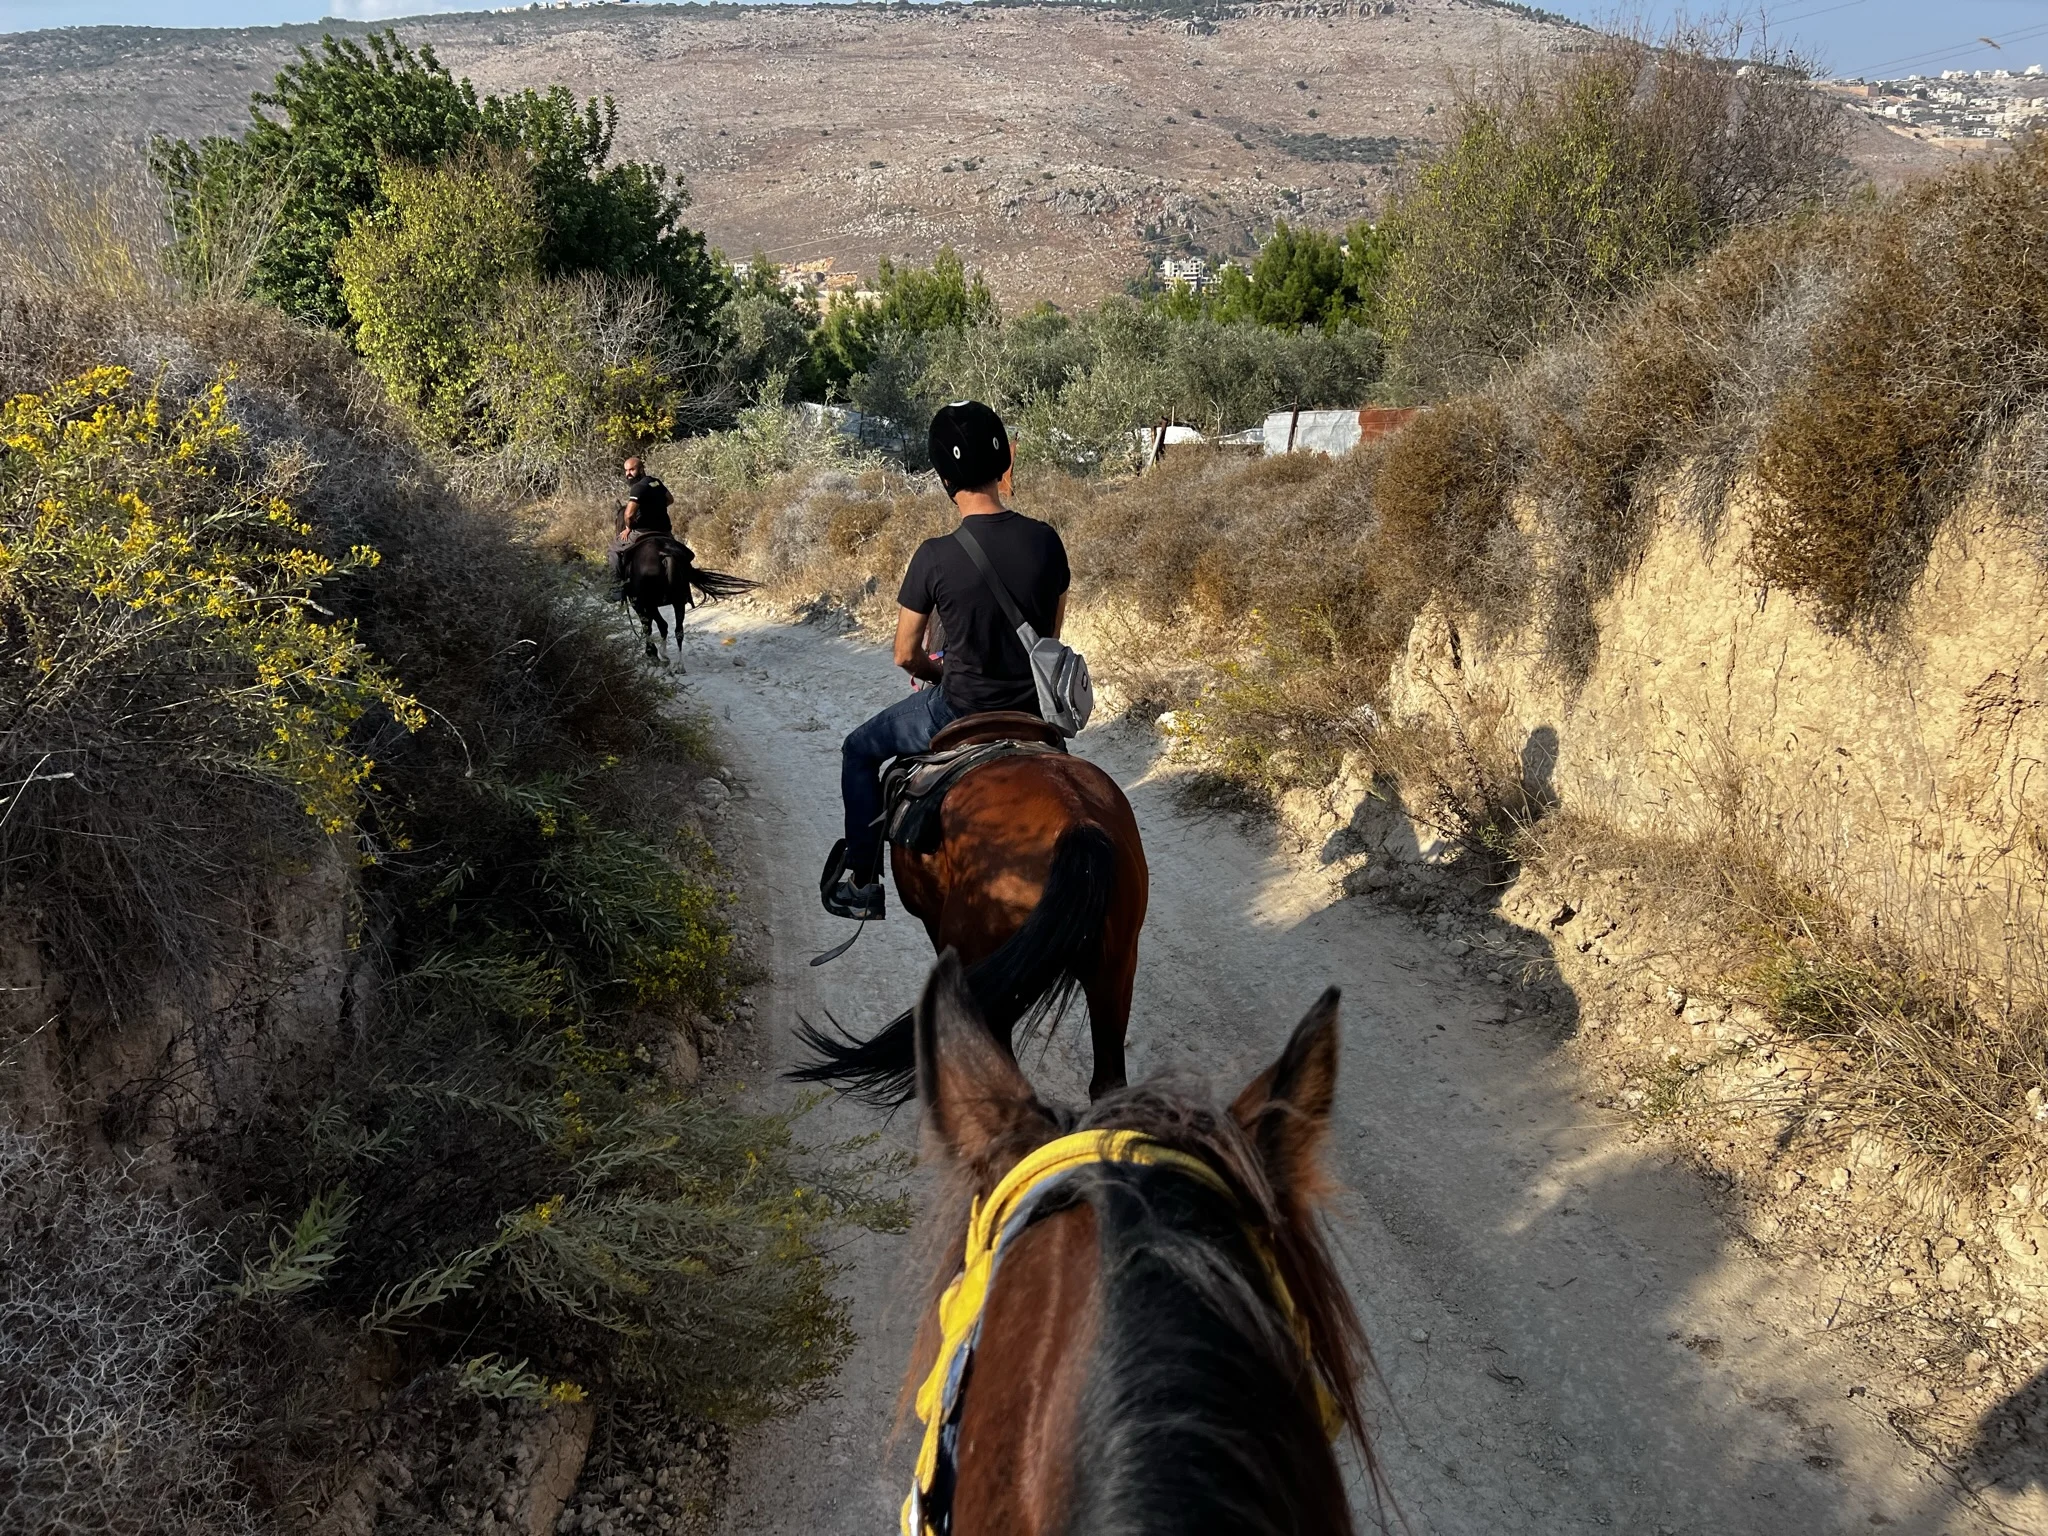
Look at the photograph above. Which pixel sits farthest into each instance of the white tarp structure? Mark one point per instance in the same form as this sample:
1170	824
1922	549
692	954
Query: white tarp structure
1332	432
1150	448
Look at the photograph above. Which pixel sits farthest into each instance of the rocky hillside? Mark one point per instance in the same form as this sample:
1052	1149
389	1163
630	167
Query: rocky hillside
1061	148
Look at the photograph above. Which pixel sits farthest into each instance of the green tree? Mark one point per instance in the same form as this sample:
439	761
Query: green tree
1300	277
1297	279
914	302
334	119
427	273
767	336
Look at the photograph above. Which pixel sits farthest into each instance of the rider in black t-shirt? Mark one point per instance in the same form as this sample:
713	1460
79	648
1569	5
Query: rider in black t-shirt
644	512
985	666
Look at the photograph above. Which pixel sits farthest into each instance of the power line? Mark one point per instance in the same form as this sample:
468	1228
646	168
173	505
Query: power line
1786	21
1937	55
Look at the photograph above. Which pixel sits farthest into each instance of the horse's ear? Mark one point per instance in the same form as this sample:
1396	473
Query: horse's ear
974	1098
1286	1108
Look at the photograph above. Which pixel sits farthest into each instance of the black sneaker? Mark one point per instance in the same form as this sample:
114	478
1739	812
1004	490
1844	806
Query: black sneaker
865	902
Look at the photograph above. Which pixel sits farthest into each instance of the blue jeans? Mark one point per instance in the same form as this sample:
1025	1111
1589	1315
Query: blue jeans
904	728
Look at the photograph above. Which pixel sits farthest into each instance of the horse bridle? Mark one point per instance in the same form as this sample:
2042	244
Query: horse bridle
1018	1199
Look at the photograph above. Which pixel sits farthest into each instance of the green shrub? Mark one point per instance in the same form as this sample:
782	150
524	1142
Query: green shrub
426	276
531	377
766	334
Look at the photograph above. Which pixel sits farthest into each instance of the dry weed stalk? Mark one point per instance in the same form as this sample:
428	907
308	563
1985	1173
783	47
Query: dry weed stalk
107	1297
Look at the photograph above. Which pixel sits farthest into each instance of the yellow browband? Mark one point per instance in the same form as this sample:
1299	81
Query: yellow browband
991	1225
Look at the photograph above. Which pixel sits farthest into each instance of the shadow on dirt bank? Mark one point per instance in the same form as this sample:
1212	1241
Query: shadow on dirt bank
2012	1441
1544	1288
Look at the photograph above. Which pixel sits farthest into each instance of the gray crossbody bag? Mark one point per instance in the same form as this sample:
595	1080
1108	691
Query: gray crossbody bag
1066	694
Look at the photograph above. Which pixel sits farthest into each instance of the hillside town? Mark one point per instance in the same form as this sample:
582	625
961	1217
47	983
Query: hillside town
1957	104
815	281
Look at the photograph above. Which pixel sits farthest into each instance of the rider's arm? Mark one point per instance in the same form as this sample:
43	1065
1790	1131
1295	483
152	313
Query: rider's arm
632	511
910	651
1059	617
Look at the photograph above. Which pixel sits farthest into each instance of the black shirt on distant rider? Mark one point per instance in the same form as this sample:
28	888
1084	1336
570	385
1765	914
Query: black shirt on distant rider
985	666
651	515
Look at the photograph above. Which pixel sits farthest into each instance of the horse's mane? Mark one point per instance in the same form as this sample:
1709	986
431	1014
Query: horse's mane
1198	1400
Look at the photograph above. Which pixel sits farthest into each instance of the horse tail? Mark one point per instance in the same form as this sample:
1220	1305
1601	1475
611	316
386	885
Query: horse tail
716	584
1030	979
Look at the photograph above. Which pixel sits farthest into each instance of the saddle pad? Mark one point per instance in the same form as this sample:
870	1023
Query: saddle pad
914	788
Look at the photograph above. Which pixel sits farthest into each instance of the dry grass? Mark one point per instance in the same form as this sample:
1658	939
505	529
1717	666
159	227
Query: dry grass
1947	1064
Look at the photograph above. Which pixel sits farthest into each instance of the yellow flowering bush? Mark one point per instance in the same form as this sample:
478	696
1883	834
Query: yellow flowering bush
156	592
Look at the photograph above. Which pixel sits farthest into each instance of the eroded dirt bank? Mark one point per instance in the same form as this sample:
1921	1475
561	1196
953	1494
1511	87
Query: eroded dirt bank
1569	1336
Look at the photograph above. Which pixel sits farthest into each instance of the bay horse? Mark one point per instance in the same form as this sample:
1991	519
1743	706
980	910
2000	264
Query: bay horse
1142	1332
660	571
1039	883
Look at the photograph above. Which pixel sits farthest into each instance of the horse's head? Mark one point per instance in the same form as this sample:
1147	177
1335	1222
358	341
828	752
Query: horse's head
1165	1340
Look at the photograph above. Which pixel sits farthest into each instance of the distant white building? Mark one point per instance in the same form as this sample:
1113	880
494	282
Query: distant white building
1192	270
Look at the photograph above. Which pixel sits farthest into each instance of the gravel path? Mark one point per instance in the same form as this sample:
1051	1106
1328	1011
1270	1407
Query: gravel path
1569	1338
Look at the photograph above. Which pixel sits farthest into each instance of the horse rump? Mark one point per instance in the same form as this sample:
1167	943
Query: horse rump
1029	980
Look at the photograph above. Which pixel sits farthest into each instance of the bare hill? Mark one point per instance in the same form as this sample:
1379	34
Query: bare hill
1061	148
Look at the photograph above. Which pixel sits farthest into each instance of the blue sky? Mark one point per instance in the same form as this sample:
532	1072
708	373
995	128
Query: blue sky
1848	36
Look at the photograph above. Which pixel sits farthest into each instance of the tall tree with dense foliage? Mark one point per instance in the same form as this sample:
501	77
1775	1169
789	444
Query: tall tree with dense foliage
1300	277
323	134
453	313
913	302
1296	279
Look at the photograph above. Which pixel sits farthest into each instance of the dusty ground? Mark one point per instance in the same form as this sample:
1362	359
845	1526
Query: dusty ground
1570	1335
1063	149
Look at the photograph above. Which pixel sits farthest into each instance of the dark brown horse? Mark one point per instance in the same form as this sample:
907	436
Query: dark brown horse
661	572
1162	1346
1039	882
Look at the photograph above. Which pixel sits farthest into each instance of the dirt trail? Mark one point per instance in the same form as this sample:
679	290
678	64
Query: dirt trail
1569	1337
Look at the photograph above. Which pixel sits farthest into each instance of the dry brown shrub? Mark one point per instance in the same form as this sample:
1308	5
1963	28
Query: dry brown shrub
1940	343
1441	492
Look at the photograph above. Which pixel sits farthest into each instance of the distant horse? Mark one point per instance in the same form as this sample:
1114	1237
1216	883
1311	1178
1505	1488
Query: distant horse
1039	881
661	572
1141	1332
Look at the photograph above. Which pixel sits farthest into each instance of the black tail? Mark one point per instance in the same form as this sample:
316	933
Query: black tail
1031	978
716	584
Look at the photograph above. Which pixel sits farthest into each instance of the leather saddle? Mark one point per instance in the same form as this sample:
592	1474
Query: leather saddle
914	788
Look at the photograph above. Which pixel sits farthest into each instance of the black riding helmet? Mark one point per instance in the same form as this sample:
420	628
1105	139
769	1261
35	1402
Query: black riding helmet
969	447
